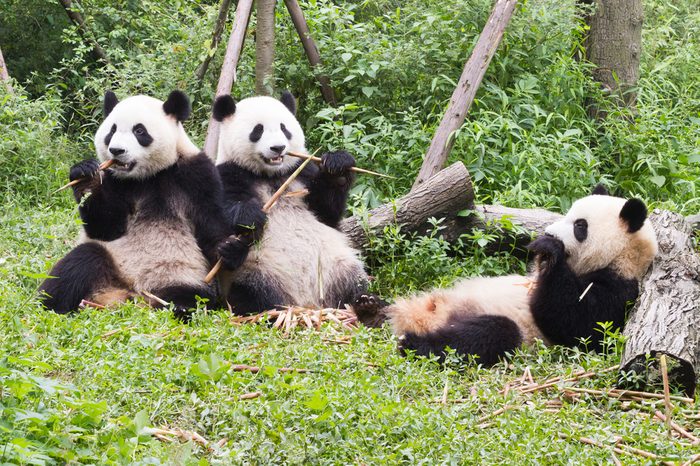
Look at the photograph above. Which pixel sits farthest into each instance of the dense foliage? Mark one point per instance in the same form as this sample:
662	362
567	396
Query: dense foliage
90	388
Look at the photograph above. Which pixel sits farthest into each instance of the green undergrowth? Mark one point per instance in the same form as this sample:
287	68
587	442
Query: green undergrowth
91	388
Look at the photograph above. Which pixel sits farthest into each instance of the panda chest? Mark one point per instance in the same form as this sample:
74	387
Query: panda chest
289	204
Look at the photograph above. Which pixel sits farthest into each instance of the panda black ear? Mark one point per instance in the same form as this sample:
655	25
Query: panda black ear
600	189
634	212
288	100
110	102
178	105
224	106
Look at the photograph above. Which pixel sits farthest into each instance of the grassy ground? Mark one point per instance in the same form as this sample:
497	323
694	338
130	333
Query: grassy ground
91	388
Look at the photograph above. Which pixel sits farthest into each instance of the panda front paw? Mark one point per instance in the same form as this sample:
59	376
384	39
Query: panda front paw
369	310
548	248
337	163
250	226
233	252
84	170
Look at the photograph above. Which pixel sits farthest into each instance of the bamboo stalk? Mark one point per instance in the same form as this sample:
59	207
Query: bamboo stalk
353	169
250	396
677	428
103	166
268	205
667	392
616	393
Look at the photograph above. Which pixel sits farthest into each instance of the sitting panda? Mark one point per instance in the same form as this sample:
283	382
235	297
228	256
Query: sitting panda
587	268
294	255
152	221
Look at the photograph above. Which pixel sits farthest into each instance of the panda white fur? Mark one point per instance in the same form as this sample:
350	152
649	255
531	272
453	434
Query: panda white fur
152	221
295	254
603	240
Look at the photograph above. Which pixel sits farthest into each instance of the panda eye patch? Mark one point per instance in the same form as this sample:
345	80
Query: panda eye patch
256	134
108	138
286	132
141	135
581	229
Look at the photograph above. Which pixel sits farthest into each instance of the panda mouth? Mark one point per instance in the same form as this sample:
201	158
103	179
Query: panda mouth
273	160
122	166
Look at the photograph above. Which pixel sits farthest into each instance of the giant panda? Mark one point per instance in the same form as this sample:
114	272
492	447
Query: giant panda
294	255
151	222
587	267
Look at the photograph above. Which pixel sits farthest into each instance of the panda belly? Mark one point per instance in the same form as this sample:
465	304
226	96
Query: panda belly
429	313
156	253
310	263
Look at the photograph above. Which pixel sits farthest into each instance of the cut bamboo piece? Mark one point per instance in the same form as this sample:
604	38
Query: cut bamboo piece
103	166
353	169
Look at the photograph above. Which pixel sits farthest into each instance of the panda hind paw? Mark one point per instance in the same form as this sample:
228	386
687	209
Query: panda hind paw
369	310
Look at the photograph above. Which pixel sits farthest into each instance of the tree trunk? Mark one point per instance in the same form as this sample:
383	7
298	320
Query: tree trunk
310	48
264	46
4	75
464	93
614	46
443	195
79	22
228	69
667	316
215	39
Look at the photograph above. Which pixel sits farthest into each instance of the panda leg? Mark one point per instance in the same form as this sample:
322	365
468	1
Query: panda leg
487	336
85	270
245	299
184	298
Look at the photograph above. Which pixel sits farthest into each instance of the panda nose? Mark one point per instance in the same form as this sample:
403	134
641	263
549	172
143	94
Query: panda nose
277	149
116	151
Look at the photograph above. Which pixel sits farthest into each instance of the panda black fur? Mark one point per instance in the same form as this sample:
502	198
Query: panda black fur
603	240
151	222
295	254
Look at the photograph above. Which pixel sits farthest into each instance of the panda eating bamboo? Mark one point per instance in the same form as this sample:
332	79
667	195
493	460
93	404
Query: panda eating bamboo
151	222
293	255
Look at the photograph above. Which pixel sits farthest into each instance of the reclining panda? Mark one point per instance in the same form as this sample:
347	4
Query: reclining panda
152	221
587	268
294	255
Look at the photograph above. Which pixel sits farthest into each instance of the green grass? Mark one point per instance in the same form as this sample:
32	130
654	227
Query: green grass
90	388
87	388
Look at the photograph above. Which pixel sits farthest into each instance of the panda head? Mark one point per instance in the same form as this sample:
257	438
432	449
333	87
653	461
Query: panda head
257	132
143	135
604	231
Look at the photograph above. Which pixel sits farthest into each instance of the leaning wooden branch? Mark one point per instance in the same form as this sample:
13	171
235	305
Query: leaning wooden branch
228	69
4	75
310	48
666	319
215	39
464	93
79	22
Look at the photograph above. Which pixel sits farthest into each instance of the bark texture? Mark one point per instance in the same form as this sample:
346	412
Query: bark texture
228	69
264	46
215	39
443	195
310	48
614	45
464	93
667	316
4	75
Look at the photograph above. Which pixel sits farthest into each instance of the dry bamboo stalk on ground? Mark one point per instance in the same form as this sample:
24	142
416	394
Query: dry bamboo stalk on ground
667	392
250	396
619	393
683	432
627	450
103	166
353	169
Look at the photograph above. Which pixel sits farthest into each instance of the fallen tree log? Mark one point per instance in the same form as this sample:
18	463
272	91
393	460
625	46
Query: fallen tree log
666	319
442	196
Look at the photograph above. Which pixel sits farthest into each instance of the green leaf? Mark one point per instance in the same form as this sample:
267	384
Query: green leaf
658	180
